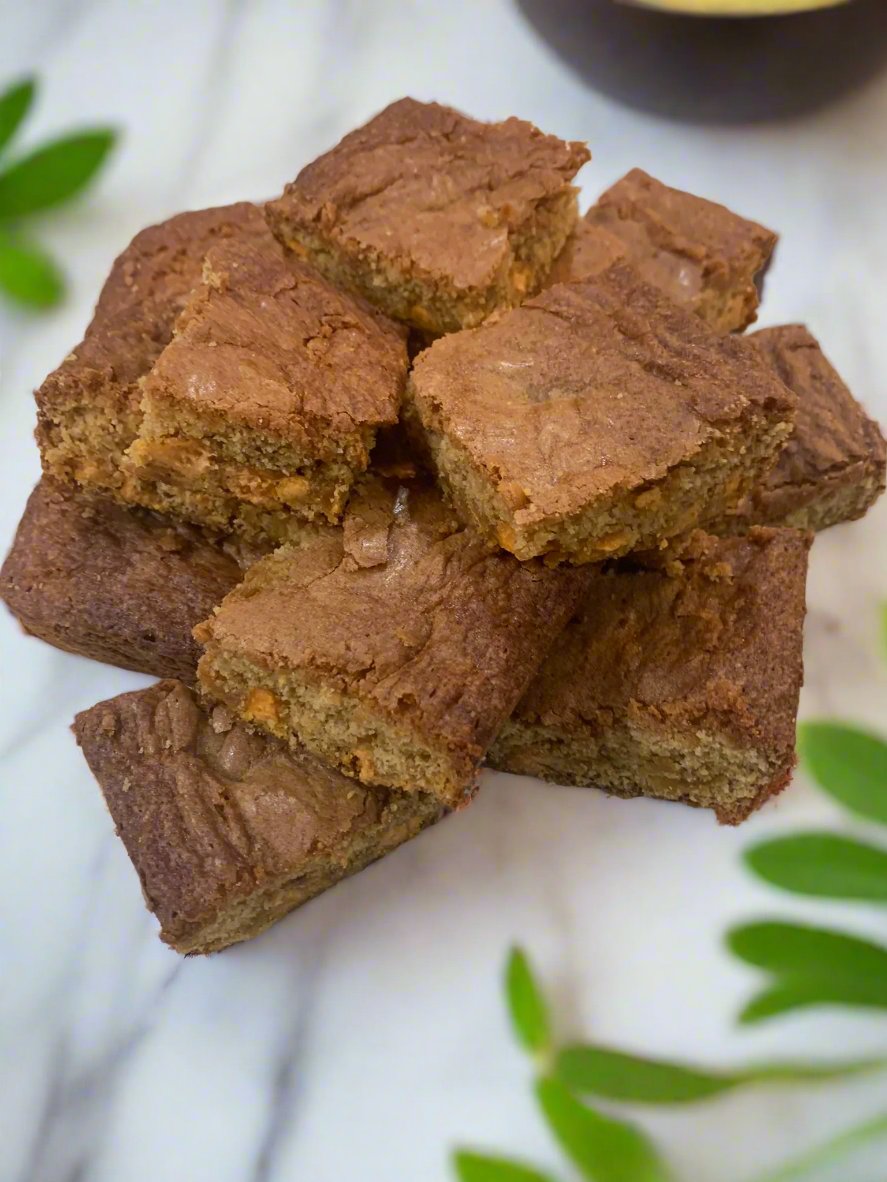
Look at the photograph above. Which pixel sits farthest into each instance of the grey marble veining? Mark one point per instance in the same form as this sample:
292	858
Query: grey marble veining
364	1036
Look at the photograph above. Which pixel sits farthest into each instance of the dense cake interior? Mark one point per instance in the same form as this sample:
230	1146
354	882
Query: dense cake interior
833	502
181	472
632	758
351	735
725	467
87	422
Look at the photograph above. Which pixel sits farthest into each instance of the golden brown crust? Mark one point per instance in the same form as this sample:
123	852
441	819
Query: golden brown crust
833	466
701	254
404	612
423	194
263	408
90	404
588	251
589	393
117	585
264	343
704	639
224	827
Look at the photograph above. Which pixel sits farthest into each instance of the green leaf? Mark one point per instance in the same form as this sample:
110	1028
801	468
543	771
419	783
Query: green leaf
615	1075
604	1149
801	993
824	865
28	275
15	102
830	1151
812	966
477	1167
794	949
54	172
850	764
526	1004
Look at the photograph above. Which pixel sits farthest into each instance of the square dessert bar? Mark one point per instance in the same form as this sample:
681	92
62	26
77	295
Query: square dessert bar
119	585
833	467
394	647
678	678
436	218
597	418
701	254
265	404
89	409
229	830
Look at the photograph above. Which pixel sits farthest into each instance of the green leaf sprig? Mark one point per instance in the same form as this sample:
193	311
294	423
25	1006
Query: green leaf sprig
38	180
812	966
807	965
605	1148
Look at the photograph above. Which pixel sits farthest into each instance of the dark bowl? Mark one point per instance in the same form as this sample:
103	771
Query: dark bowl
719	69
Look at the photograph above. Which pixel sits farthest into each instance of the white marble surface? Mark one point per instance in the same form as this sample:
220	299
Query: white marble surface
364	1036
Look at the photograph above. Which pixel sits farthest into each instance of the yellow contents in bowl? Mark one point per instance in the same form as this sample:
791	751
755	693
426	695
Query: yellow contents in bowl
737	7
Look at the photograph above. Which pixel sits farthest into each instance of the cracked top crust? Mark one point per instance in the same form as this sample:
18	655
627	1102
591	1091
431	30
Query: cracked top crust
407	610
708	633
209	811
590	389
266	343
832	432
146	290
432	189
685	245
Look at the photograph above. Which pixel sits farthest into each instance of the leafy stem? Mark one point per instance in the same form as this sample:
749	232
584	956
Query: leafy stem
605	1148
807	965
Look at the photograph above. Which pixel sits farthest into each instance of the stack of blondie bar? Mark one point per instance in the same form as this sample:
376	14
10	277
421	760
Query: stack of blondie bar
411	470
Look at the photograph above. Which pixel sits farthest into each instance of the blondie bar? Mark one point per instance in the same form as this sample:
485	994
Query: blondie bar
394	647
678	679
595	419
832	468
436	218
701	254
229	830
89	409
264	406
119	585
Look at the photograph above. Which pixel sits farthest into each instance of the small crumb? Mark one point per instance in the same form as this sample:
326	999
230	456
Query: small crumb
221	720
401	509
109	724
